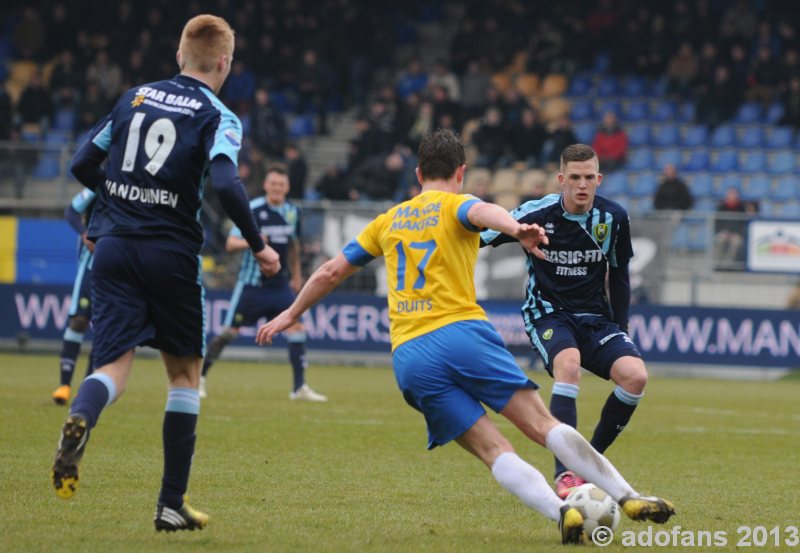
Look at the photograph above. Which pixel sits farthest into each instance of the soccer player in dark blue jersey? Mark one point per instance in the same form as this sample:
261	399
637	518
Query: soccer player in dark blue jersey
255	295
80	308
160	143
570	318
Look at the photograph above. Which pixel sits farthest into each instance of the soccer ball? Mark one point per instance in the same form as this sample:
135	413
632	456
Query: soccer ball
597	507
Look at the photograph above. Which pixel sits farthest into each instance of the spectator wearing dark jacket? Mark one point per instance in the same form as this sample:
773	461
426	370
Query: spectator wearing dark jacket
376	178
527	138
268	126
672	191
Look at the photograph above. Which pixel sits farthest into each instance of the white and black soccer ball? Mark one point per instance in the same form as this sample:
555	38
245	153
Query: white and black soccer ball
597	507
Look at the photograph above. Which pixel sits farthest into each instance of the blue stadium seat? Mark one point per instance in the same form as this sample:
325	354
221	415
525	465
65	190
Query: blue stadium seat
614	184
300	126
584	132
48	167
57	138
731	180
786	210
705	204
668	156
638	135
581	110
756	188
280	101
701	185
697	239
642	184
723	136
634	111
665	135
749	112
579	85
781	163
65	119
697	160
640	159
750	136
608	86
725	160
785	187
657	88
686	113
694	135
780	137
774	113
634	86
680	238
754	161
663	110
601	107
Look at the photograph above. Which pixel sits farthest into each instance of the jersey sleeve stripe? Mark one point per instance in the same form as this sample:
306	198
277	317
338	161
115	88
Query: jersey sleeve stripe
356	254
463	209
103	139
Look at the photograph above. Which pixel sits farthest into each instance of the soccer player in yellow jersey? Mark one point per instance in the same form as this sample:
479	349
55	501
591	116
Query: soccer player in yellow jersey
447	357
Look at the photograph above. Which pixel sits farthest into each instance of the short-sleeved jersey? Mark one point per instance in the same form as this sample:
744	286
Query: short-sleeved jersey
430	249
160	138
281	225
573	277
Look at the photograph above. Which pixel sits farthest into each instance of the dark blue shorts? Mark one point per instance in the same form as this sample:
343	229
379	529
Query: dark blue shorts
600	341
146	293
251	303
447	373
81	301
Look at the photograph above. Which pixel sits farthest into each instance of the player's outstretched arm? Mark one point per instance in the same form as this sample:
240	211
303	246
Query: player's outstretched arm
486	215
87	165
321	283
231	194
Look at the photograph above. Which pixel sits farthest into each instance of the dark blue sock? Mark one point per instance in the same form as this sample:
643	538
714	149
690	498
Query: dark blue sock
562	406
70	349
96	392
178	434
616	413
297	357
90	364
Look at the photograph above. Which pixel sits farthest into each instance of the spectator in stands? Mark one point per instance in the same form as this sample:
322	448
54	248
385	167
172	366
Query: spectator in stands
92	107
297	170
738	22
422	126
331	185
729	229
66	80
791	103
474	84
490	138
481	188
412	80
527	138
719	101
315	83
544	48
443	105
513	104
240	88
560	135
463	47
29	35
672	191
106	74
376	178
267	126
681	71
35	103
11	163
441	76
611	143
764	77
706	66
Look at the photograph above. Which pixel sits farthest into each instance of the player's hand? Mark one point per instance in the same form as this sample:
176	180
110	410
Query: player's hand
530	236
268	261
280	323
88	243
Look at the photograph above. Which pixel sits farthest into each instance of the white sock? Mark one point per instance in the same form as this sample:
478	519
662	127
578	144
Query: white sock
579	456
527	483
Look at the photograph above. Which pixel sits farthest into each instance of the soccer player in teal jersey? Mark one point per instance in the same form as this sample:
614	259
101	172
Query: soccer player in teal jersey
148	162
80	308
447	358
255	295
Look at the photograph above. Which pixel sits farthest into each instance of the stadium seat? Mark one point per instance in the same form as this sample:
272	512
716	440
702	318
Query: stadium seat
701	185
602	107
533	182
750	136
640	159
527	84
749	112
731	180
686	113
781	163
638	135
786	210
474	175
662	111
754	162
774	113
581	110
725	160
633	86
705	204
614	184
48	167
634	111
608	86
756	188
501	81
780	137
580	85
694	135
723	136
65	119
657	88
301	126
642	184
57	138
697	160
584	132
505	181
785	187
665	135
667	156
697	235
508	200
554	84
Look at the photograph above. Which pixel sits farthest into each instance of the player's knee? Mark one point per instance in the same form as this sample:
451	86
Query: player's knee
634	381
568	371
79	323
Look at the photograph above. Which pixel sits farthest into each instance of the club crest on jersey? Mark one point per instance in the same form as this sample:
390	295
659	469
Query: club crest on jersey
547	334
233	138
600	231
137	100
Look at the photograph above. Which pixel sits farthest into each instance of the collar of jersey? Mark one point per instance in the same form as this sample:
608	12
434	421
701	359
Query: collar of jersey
194	81
571	216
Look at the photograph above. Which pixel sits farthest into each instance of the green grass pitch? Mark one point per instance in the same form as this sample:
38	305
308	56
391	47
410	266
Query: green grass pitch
354	474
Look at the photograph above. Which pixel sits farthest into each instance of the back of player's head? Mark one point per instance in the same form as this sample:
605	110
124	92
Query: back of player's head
440	154
576	152
204	39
